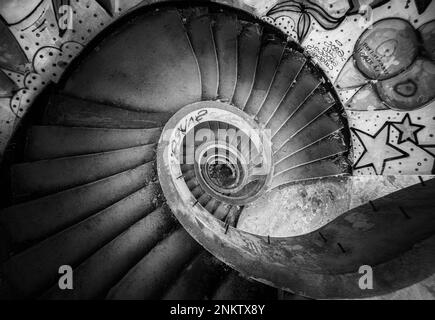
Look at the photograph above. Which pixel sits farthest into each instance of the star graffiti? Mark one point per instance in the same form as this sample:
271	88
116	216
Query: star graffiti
377	149
407	129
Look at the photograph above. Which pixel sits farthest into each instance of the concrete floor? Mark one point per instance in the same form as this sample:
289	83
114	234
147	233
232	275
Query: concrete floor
301	208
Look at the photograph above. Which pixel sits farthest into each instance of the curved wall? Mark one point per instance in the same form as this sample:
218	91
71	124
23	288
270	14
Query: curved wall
379	56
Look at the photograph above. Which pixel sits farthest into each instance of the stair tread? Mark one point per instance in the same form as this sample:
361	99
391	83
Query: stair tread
225	36
332	145
92	161
47	142
198	279
236	287
28	221
94	277
36	268
222	211
7	86
316	105
249	43
192	183
295	98
54	175
155	272
333	166
268	61
204	199
289	68
64	110
321	128
126	70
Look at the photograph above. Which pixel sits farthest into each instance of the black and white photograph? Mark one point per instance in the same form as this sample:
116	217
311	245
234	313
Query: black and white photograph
224	157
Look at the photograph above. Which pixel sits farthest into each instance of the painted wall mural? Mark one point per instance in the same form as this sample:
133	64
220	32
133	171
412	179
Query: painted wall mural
379	54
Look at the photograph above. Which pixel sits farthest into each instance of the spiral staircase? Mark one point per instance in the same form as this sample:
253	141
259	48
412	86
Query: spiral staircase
107	172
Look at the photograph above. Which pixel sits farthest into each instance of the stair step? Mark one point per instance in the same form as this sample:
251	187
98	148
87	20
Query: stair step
95	276
199	29
197	191
233	215
222	211
198	280
214	128
36	268
303	87
315	106
158	269
284	295
63	110
289	68
192	183
189	174
321	128
160	74
268	61
249	43
28	221
334	166
225	36
47	142
50	176
323	149
188	171
235	287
